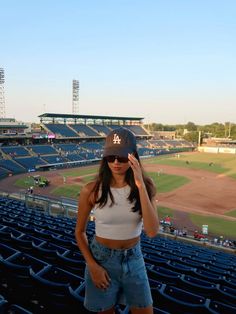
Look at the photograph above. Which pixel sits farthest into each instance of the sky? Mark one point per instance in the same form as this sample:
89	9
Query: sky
168	61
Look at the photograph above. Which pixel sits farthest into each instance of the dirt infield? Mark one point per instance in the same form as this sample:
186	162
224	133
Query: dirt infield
207	193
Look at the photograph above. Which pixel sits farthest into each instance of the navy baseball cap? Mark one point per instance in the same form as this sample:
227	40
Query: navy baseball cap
120	142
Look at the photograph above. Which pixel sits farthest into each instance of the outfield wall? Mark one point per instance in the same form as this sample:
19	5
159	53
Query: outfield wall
216	150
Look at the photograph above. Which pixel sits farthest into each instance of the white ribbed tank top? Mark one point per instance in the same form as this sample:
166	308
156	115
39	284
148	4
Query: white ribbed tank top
118	222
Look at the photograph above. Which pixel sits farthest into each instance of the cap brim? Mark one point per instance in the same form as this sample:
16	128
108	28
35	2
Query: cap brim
122	152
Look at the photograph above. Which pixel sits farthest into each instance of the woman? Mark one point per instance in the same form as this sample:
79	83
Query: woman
123	200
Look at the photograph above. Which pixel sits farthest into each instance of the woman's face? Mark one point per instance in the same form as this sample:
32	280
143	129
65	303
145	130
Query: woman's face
118	167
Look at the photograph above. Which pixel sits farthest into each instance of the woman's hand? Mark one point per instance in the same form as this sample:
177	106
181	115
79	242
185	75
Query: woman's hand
138	176
99	276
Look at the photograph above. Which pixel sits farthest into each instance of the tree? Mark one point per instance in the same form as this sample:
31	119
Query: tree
190	126
191	137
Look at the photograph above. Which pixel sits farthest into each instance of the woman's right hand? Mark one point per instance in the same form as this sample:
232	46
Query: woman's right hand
99	276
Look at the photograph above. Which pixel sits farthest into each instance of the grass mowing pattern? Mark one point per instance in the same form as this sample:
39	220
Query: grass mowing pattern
88	178
222	163
24	182
71	191
216	168
167	182
78	172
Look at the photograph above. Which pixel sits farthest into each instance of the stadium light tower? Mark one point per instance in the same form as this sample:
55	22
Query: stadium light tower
2	94
75	97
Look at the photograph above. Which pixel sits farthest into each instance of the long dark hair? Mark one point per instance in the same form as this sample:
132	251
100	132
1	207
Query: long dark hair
102	185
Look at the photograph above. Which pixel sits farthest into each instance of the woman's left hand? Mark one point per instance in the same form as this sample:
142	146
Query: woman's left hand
135	165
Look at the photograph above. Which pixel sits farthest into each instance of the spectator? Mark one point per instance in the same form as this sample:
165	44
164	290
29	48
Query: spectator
168	220
184	232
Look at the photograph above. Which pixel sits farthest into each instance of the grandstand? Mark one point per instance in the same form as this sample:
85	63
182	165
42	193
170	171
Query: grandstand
41	267
69	140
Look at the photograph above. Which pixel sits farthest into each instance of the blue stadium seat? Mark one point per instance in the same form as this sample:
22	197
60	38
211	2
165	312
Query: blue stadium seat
7	251
25	242
174	299
176	266
54	287
72	262
198	286
16	281
155	260
48	252
229	282
163	275
226	295
206	275
63	241
6	232
3	305
216	270
17	309
221	308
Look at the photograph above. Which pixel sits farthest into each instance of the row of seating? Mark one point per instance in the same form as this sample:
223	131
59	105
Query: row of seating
39	251
93	130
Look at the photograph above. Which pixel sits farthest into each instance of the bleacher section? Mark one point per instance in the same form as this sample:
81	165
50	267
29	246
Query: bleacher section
30	162
61	130
4	173
158	143
72	140
42	149
54	159
15	151
18	159
12	166
103	130
41	268
84	130
92	146
137	130
68	147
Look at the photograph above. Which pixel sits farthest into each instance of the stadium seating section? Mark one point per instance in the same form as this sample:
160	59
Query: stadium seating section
41	268
19	159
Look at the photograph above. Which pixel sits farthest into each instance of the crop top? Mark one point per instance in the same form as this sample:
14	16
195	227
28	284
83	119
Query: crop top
118	221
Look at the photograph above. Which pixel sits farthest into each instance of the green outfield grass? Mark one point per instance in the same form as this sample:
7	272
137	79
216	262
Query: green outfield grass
78	172
164	211
222	163
167	182
88	179
217	168
216	225
232	213
71	191
24	182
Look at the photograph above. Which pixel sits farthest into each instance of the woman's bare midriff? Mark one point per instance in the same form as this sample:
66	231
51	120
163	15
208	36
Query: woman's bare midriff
118	244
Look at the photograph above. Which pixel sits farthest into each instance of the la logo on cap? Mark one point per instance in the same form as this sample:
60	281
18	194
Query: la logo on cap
116	139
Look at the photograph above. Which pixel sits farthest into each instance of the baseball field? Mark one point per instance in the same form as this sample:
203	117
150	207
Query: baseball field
195	188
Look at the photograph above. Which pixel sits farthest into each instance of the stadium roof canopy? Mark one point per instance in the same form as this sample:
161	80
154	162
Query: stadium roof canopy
75	117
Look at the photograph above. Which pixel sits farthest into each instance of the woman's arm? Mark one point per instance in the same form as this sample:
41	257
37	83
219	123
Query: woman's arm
149	211
98	274
84	208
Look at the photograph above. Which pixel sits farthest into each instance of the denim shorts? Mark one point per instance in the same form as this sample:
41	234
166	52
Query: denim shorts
129	282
